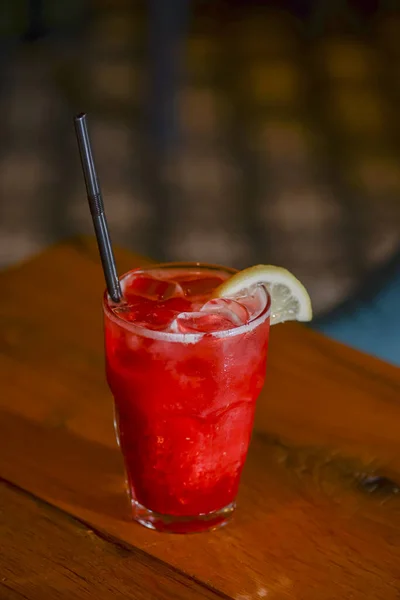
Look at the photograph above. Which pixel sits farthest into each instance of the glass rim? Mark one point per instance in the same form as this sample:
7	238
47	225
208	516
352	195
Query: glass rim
184	338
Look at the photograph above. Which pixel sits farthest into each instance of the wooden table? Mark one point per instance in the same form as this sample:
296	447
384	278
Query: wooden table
312	522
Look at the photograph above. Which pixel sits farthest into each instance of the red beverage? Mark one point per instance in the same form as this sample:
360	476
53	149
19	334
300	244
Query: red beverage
185	372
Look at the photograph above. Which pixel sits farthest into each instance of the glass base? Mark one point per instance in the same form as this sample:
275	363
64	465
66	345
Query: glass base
174	524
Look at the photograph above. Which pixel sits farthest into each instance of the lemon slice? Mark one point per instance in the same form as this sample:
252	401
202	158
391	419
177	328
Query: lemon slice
289	298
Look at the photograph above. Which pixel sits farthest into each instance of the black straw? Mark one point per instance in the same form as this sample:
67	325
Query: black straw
97	209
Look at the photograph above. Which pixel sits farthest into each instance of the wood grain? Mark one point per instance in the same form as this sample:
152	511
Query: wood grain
312	521
48	555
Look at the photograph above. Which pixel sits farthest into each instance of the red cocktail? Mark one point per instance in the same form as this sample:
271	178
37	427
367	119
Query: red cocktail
185	371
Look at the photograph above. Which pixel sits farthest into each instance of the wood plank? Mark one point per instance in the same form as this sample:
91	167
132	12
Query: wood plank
47	554
308	524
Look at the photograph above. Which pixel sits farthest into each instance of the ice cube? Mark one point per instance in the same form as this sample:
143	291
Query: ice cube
164	313
198	286
218	314
152	314
230	309
201	322
254	300
151	288
130	309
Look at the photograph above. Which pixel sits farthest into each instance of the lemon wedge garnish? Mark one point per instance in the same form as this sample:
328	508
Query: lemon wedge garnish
289	298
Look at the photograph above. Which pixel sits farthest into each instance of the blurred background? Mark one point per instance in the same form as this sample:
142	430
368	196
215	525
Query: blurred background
232	131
